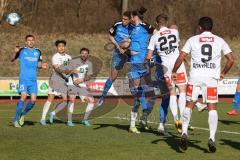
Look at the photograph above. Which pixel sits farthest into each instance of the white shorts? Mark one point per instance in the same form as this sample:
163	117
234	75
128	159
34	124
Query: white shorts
181	76
207	85
82	92
51	91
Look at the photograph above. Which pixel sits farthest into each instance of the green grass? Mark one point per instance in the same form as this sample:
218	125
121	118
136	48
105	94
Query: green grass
108	138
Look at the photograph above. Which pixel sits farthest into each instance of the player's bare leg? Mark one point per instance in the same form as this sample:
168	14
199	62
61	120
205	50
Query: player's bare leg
29	106
46	108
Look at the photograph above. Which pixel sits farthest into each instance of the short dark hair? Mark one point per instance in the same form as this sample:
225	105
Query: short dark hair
162	18
206	23
29	35
60	41
84	49
127	14
139	12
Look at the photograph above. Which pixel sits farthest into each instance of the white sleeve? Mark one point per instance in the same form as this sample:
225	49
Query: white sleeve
151	45
225	48
187	47
55	60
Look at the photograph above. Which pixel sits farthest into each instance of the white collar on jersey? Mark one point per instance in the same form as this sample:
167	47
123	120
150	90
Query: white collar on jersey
63	54
162	28
206	33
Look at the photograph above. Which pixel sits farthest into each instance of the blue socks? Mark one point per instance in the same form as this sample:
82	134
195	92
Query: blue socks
142	100
136	105
29	106
107	86
19	107
236	101
163	109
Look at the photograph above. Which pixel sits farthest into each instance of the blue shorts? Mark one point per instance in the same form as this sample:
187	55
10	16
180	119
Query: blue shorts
118	60
136	74
30	87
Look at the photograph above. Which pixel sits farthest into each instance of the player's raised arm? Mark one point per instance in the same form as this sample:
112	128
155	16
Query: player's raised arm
15	54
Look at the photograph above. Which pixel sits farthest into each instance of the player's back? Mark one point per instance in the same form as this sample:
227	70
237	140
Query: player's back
206	49
167	42
140	35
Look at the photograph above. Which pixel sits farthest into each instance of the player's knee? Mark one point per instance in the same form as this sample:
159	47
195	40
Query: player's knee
33	101
212	106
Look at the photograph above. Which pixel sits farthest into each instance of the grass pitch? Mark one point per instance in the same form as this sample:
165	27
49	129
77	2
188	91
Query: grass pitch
108	137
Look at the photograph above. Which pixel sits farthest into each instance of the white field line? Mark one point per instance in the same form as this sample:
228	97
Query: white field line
199	128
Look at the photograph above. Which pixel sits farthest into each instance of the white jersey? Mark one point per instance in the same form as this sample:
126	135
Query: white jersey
61	59
205	50
84	68
166	42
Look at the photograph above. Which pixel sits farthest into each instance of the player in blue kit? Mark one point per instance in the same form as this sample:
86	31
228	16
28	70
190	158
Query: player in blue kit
30	60
119	32
140	35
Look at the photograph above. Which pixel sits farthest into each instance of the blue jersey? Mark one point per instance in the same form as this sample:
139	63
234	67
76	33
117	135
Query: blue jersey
140	36
120	32
28	59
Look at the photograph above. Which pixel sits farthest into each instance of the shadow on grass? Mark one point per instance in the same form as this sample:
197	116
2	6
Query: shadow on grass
173	142
228	122
233	144
118	126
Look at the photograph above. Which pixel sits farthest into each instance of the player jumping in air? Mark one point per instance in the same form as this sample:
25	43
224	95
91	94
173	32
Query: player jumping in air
119	32
30	60
205	50
58	59
140	35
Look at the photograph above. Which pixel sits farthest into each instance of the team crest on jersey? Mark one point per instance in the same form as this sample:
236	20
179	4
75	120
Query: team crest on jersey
165	32
206	39
35	54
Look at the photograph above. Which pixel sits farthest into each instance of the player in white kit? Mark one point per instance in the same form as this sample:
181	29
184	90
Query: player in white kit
83	72
166	41
58	59
205	50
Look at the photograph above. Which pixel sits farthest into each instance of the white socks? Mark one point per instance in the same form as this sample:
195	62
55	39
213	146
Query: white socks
182	103
45	110
70	111
88	110
212	122
161	126
187	113
174	107
133	119
60	107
